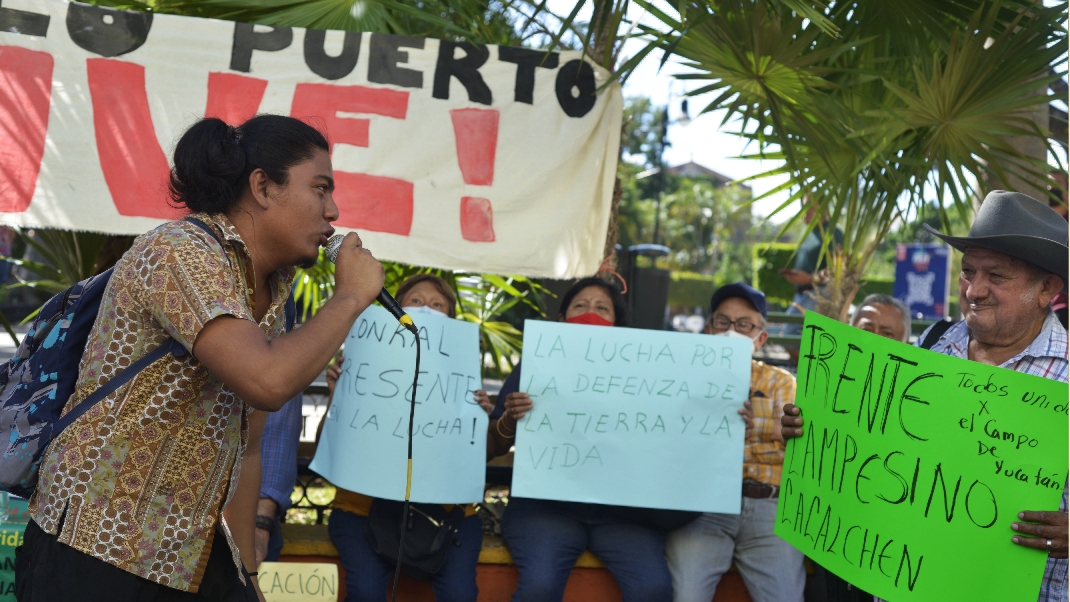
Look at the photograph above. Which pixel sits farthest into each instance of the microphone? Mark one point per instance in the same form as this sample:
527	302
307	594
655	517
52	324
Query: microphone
384	298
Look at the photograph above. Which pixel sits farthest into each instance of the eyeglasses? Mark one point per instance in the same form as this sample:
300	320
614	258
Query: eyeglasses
743	325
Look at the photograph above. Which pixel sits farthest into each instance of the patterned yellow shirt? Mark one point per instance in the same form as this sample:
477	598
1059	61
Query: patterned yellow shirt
144	474
763	455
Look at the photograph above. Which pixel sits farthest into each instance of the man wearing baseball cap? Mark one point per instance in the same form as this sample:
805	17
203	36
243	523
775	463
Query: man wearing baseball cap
701	552
1014	263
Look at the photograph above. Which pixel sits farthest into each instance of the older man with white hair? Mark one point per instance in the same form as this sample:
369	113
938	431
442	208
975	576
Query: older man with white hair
883	315
1014	263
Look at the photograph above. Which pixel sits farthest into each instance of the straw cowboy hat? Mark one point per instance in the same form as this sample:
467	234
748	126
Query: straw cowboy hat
1019	226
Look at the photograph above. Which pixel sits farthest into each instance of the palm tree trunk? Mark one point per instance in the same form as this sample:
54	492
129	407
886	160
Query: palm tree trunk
613	230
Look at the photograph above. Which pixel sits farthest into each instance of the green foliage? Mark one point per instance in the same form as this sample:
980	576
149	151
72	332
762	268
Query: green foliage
688	290
486	297
910	101
313	286
707	227
69	257
483	299
768	258
643	131
480	21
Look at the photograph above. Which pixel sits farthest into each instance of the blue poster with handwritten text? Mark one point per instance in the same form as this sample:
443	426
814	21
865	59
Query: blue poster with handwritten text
363	445
632	417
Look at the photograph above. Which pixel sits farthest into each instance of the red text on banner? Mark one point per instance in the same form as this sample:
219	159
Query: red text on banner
375	203
25	90
234	98
134	165
476	134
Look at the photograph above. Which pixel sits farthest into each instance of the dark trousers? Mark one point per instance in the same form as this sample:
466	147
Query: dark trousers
47	570
368	575
825	586
546	537
274	543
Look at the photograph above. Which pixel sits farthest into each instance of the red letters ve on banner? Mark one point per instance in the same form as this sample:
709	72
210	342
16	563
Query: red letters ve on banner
133	163
234	98
26	79
375	203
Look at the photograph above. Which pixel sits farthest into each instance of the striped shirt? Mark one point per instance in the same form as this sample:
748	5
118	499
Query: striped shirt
1045	357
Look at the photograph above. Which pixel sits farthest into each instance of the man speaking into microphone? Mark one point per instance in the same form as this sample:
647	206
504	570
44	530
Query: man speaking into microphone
131	495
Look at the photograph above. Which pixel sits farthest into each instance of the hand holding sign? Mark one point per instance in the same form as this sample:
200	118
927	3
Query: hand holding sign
1050	535
911	466
630	417
369	414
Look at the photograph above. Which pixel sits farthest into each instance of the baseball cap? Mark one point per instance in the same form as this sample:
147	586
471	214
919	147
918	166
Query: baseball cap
742	291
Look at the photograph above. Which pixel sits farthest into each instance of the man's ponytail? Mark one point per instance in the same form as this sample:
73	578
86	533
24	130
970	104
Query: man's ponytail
213	160
209	167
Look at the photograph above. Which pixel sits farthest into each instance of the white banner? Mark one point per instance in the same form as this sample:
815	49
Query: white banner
457	156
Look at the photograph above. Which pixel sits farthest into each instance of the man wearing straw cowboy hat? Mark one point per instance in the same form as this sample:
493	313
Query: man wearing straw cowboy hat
1014	262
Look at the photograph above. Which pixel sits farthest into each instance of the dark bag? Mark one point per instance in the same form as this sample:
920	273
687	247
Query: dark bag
428	537
938	329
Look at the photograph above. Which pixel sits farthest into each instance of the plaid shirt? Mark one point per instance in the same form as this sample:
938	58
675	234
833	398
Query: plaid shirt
763	454
278	453
1045	357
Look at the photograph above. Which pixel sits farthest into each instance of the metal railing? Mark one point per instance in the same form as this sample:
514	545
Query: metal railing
306	477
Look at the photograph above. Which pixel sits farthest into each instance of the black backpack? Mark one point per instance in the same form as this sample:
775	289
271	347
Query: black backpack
935	332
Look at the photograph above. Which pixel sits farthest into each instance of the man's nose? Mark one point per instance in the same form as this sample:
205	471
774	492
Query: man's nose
330	211
977	289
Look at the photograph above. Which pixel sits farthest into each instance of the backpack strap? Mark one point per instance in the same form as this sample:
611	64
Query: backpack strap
171	346
291	312
935	332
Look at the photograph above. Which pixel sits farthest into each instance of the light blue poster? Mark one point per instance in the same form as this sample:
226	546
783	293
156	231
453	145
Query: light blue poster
363	445
632	417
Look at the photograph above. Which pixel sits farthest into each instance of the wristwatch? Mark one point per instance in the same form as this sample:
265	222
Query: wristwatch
266	523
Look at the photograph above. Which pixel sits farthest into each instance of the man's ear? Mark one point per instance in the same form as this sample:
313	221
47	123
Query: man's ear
762	338
1051	286
259	185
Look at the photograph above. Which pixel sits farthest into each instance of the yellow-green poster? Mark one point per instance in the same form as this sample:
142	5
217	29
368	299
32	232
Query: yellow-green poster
913	465
10	538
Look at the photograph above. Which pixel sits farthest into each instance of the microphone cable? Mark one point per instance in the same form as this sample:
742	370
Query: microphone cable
408	473
388	302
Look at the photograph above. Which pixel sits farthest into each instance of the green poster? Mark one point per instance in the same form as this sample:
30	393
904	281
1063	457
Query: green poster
10	538
913	465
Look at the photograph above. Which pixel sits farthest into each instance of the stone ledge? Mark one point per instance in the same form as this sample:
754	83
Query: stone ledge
313	540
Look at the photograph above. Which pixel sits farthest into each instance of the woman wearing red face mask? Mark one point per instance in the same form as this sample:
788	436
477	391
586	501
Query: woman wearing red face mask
546	537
